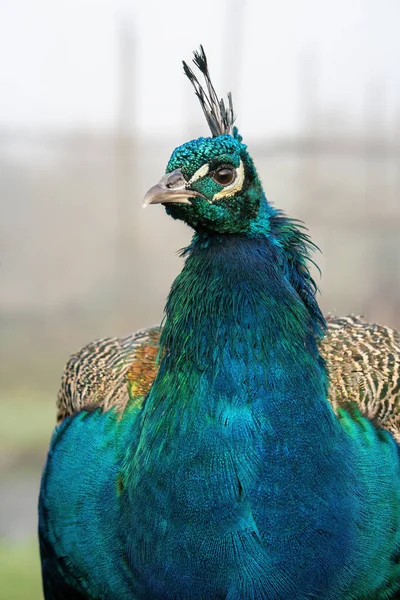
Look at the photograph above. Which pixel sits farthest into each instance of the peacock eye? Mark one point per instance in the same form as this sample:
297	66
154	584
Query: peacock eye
224	175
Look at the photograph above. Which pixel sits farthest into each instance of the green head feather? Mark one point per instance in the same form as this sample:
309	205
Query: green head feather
222	171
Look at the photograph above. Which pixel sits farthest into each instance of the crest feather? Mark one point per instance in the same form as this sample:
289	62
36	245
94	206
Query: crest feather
220	118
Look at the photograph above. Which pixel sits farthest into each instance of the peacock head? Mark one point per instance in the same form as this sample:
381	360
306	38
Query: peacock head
211	183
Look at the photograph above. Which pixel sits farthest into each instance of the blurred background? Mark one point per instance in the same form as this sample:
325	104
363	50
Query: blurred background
92	103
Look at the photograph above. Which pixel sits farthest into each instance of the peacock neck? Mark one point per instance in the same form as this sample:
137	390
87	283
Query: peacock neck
238	334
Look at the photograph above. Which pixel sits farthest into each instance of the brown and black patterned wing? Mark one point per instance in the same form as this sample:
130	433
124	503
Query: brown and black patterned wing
109	373
363	361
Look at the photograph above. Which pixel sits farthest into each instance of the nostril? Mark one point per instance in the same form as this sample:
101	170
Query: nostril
174	180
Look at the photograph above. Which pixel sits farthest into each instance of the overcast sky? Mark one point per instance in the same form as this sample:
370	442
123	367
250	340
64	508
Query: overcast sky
59	60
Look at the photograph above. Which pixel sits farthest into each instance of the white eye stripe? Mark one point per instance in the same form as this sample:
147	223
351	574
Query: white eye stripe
234	187
202	172
227	191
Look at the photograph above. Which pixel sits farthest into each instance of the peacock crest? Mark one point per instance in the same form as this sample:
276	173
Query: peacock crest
220	118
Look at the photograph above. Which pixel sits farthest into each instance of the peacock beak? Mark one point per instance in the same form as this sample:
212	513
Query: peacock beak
171	188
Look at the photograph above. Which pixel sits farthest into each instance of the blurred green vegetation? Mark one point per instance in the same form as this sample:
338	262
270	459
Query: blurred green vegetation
20	577
27	420
26	423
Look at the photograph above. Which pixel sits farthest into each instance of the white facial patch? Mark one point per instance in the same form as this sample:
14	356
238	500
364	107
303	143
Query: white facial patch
234	187
202	172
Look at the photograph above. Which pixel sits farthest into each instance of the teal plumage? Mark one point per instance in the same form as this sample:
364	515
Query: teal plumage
221	470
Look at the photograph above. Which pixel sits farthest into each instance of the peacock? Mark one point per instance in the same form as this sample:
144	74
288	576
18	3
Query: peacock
247	448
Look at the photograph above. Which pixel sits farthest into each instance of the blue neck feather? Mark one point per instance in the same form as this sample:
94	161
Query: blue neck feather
238	333
242	323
